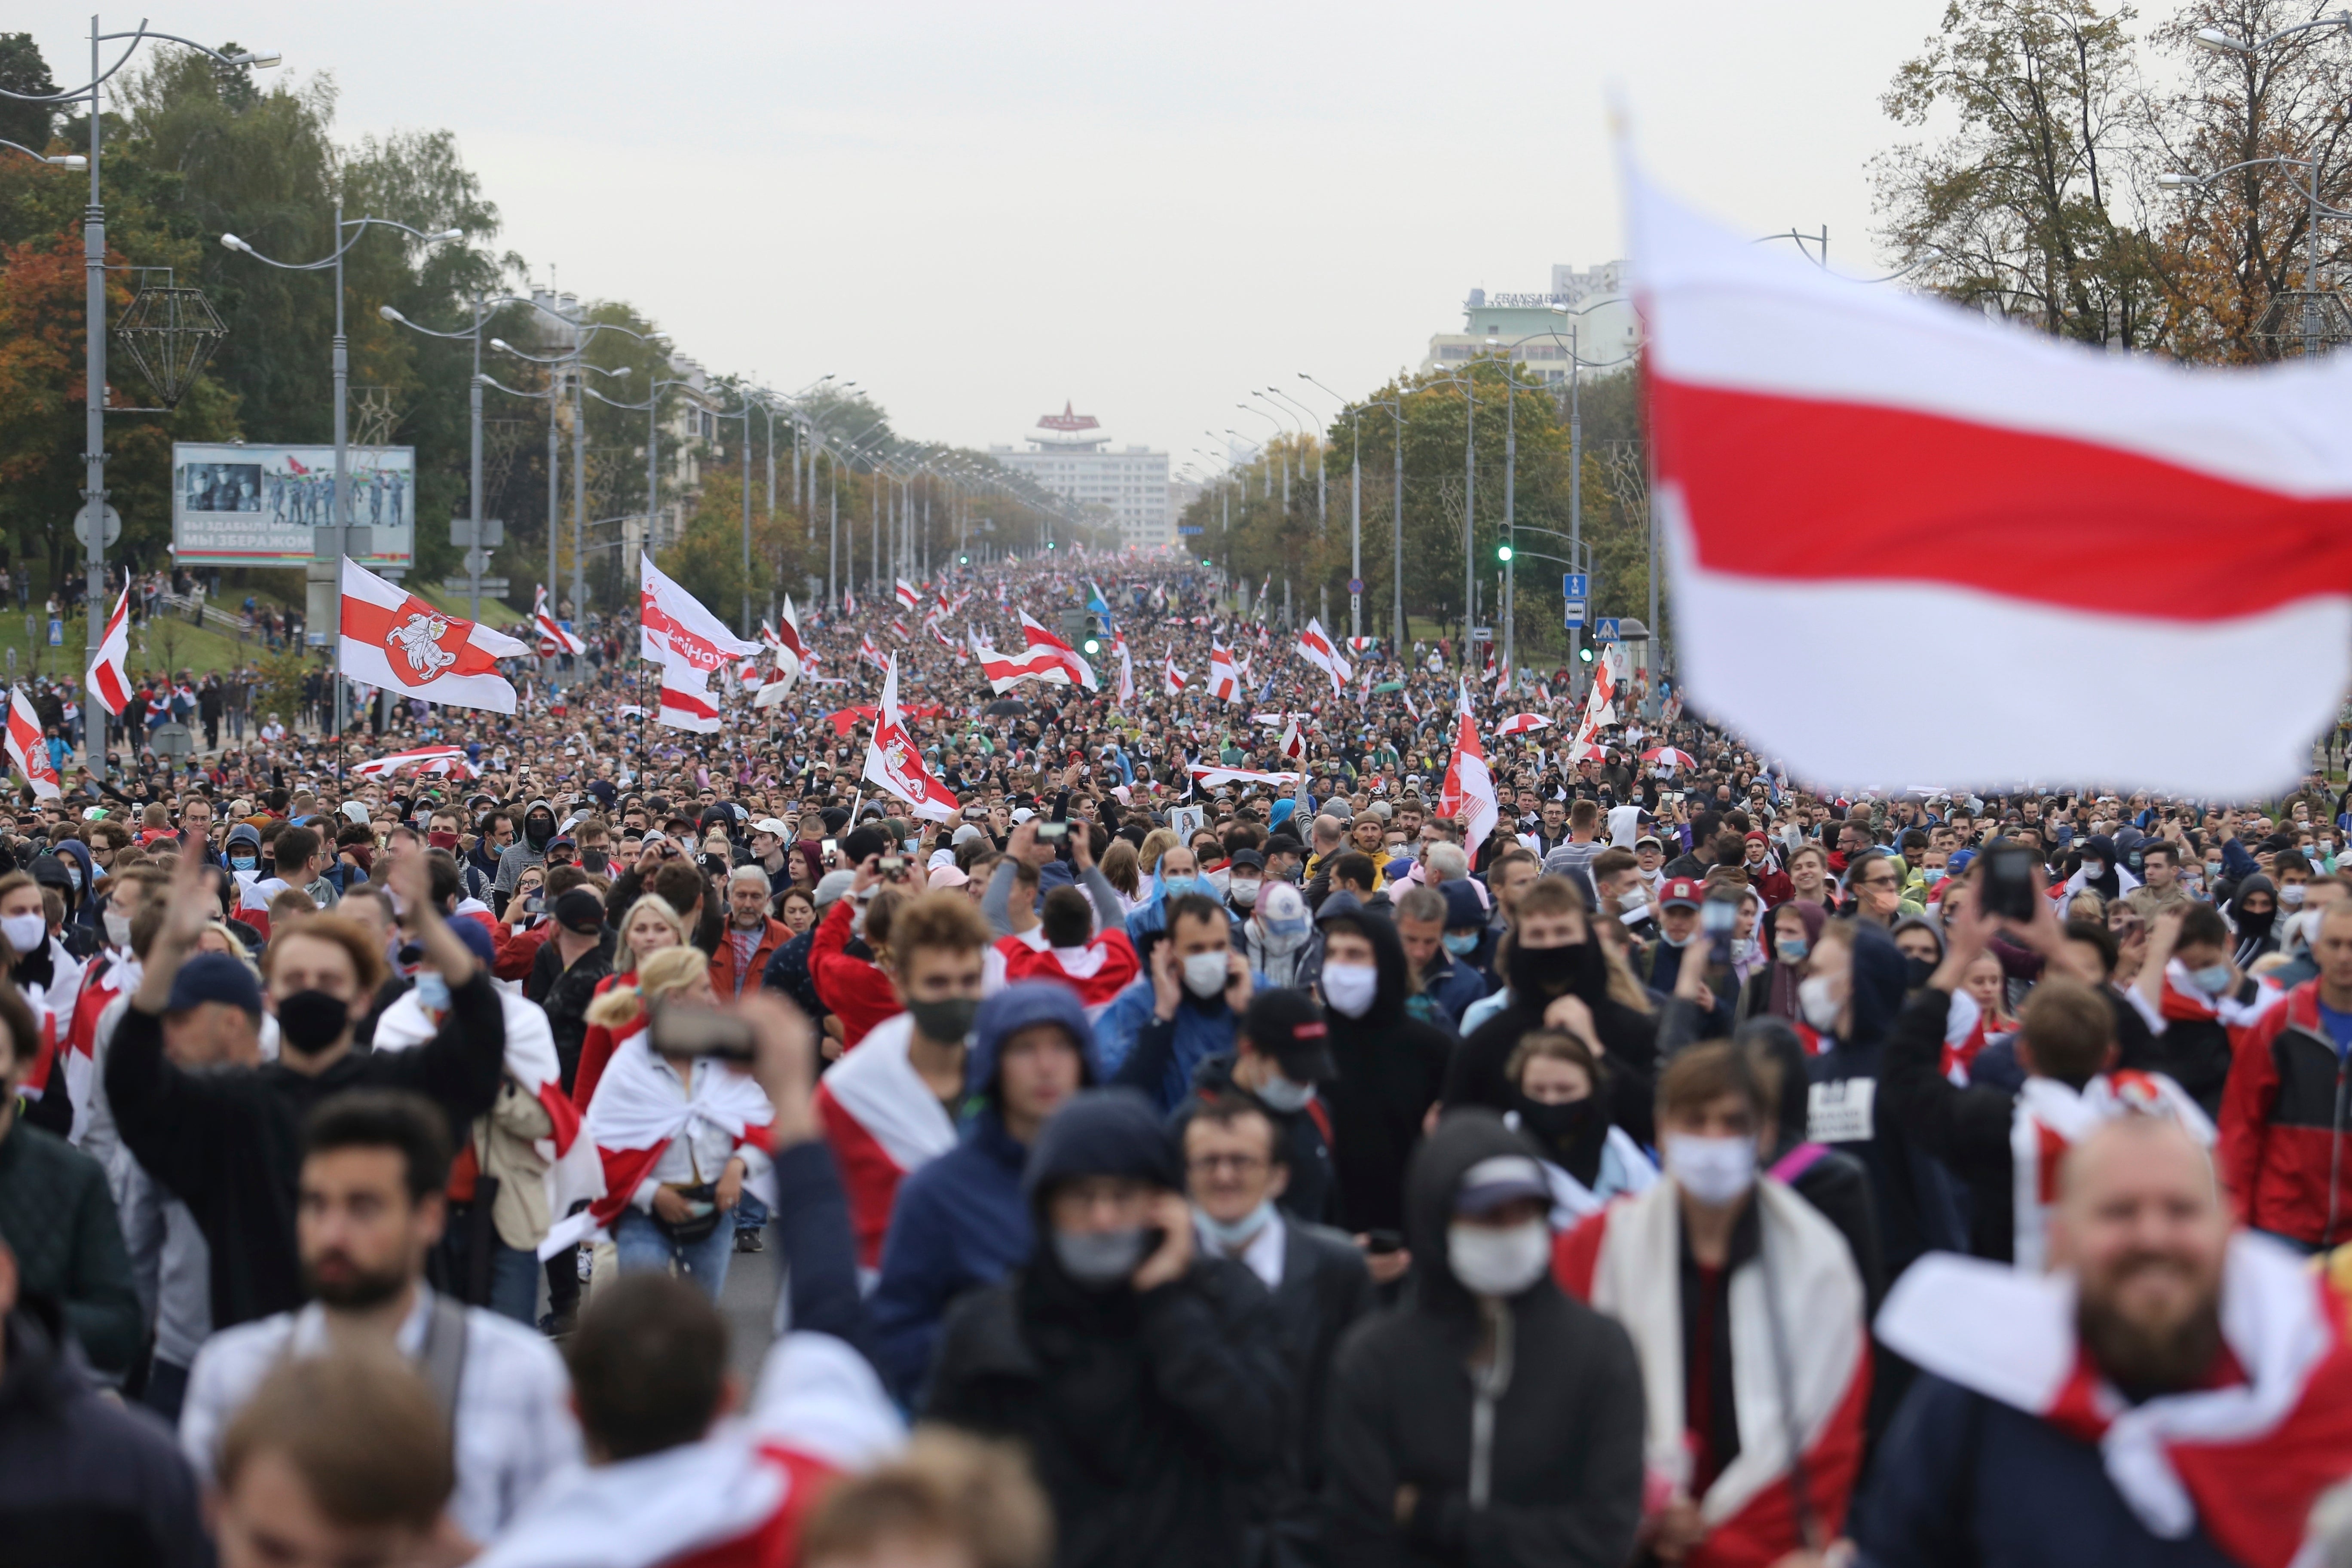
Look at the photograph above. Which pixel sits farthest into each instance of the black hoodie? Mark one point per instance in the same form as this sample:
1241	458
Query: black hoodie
1629	1038
1566	1467
1391	1069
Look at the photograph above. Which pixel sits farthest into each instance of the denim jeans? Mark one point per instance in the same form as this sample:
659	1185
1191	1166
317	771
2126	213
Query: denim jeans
749	1213
644	1246
514	1283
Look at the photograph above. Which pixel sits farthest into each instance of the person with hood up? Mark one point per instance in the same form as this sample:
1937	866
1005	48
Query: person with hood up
1392	1064
1488	1418
1145	1375
2102	871
1273	939
1835	1184
1186	1006
530	849
1789	933
83	935
959	1220
2254	911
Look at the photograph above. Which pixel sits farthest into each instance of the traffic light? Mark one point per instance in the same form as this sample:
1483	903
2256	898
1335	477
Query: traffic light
1503	550
1092	644
1584	656
1049	544
963	559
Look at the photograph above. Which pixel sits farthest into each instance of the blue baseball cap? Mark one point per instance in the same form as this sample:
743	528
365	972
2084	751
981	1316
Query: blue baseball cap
214	977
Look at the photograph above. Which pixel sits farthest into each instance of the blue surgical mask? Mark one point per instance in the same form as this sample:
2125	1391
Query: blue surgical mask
1460	944
1231	1236
432	991
1177	887
241	862
1793	949
2212	980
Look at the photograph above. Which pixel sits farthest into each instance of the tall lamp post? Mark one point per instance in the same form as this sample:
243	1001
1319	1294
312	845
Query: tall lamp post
326	554
93	243
1355	412
1469	505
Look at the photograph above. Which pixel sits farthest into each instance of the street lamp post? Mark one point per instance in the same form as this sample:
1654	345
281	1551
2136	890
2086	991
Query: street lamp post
327	555
93	243
1469	507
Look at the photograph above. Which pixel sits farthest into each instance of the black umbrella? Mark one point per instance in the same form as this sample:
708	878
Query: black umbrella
1004	705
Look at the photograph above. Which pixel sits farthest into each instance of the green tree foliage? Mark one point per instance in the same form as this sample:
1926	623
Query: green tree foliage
22	69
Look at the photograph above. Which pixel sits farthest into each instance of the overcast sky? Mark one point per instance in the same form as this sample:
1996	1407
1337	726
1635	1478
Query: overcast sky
980	211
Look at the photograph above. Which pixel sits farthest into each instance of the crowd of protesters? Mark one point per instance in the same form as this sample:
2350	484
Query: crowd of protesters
1680	1165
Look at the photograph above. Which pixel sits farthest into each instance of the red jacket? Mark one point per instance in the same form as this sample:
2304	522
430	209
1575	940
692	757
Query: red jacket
723	977
851	987
517	952
2284	1151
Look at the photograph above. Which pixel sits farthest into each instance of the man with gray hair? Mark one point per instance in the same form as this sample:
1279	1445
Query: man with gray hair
752	934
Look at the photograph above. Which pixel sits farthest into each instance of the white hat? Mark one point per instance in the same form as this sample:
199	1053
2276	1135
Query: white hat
776	826
1022	813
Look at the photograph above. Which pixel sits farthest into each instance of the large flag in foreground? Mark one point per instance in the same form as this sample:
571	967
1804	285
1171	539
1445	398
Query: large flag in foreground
2118	544
397	641
28	750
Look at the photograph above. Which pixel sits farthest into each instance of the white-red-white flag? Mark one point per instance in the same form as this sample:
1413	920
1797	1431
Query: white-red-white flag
1316	649
686	700
868	653
1831	453
1037	636
893	764
552	639
1294	744
1175	677
898	630
1211	778
909	595
393	639
674	629
1224	684
1468	792
1126	671
110	674
849	600
443	759
28	750
1006	671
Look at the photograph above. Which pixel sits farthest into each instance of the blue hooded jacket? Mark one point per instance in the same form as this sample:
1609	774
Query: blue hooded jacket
961	1221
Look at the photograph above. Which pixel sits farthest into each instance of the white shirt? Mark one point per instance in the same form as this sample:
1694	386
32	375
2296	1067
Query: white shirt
1262	1256
699	1153
513	1423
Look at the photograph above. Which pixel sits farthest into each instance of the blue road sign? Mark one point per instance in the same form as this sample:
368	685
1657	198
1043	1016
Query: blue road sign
1188	531
1575	585
1575	612
1605	629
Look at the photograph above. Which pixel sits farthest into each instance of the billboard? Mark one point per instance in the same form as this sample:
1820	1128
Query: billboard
247	505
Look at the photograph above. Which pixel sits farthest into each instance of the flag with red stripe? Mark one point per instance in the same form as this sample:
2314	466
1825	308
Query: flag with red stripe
394	640
110	674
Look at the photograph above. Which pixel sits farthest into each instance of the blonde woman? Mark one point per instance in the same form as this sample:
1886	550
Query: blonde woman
698	1170
651	926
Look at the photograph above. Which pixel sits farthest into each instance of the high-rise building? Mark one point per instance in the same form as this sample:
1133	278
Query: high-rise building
1068	453
1604	326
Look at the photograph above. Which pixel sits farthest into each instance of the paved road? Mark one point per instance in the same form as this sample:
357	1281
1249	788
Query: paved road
749	1303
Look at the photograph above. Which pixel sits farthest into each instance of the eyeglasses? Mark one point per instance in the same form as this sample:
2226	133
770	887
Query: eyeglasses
1878	881
1239	1164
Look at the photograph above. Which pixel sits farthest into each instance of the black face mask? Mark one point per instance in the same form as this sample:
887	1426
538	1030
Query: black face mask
1545	970
536	833
1555	1126
311	1021
946	1020
594	860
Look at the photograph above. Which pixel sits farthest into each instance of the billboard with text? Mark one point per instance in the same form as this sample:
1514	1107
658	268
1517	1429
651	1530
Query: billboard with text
247	505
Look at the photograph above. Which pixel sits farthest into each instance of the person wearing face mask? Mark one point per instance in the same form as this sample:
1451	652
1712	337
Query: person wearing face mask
1186	1006
226	1142
244	853
1489	1417
1445	976
2254	911
1390	1056
1244	877
1275	937
1747	1313
1559	1101
2102	871
1237	1168
1789	933
1143	1372
530	849
49	978
1281	1054
890	1106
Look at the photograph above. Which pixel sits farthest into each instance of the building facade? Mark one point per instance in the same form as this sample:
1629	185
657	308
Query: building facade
1603	327
1067	454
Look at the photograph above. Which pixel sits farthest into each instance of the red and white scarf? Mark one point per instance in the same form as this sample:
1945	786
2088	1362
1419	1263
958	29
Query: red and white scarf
573	1173
884	1123
2052	1117
636	1110
2243	1461
1098	971
103	978
738	1498
1626	1261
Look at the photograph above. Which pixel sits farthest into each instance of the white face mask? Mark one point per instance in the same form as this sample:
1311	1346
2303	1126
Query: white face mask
1205	974
1243	893
1820	1008
1498	1262
2290	895
1280	1094
1715	1170
1350	987
118	929
25	933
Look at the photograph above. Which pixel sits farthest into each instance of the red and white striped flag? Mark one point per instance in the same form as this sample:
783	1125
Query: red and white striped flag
686	700
1224	684
1468	792
868	653
849	600
1828	452
893	764
110	675
1005	672
674	628
552	639
1211	778
1294	744
444	760
28	750
1175	677
1317	649
1126	670
908	596
393	639
898	630
1037	636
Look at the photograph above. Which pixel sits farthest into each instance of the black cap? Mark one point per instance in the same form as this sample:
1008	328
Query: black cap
580	910
1288	1026
1249	858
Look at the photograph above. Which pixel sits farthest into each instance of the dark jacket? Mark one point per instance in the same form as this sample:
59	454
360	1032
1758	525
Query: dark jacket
1148	1417
568	996
228	1142
960	1222
1392	1067
1628	1035
1312	1194
1966	1129
58	1216
1915	1201
1566	1469
1453	984
1834	1183
1324	1290
85	1481
1963	1481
